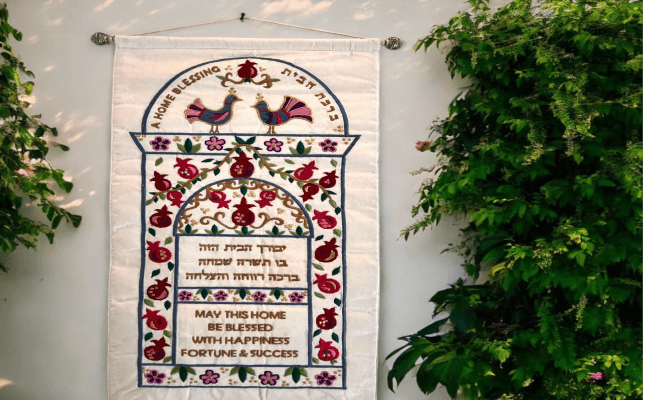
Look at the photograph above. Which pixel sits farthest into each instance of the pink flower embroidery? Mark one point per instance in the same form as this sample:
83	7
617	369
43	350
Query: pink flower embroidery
214	143
328	145
325	378
259	296
209	377
273	145
160	144
154	376
184	295
268	378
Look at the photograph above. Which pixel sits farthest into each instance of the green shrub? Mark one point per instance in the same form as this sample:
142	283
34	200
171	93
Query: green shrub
543	157
24	171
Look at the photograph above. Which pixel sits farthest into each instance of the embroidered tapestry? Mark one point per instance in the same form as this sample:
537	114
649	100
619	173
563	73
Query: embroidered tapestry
244	219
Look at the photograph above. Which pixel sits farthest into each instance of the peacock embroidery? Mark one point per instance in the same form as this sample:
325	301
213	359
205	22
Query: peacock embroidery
291	108
196	111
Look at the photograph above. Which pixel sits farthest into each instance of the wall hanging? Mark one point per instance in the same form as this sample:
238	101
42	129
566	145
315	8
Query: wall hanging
244	219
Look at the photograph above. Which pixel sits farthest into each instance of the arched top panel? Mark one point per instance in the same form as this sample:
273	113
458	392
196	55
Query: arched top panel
243	206
297	102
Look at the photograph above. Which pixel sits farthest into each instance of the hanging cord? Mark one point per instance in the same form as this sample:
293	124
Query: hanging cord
101	38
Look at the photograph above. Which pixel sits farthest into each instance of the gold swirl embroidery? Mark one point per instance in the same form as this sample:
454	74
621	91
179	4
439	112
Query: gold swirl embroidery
233	184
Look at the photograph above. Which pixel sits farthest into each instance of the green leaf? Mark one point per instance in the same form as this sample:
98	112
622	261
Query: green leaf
242	374
317	332
167	333
148	302
318	266
169	240
170	266
300	149
295	375
167	305
334	163
336	271
158	161
319	295
155	272
337	302
151	231
182	373
335	337
337	232
187	146
148	336
167	359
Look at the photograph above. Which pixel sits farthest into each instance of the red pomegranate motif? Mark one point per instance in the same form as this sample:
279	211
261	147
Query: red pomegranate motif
247	71
327	285
185	169
267	197
327	352
159	291
327	252
308	191
175	196
327	320
243	216
219	198
155	321
156	352
157	253
329	180
324	221
306	171
160	182
242	168
161	218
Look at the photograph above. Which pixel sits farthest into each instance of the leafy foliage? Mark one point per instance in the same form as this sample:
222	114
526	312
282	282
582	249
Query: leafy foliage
24	171
543	156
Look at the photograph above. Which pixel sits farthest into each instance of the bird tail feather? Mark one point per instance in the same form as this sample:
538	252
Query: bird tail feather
297	109
194	111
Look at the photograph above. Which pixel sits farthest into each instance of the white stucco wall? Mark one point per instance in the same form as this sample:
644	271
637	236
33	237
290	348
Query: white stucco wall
53	302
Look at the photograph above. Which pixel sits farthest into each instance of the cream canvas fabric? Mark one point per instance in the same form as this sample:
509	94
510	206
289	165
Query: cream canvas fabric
244	219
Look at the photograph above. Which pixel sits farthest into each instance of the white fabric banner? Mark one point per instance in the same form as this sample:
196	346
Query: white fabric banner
244	219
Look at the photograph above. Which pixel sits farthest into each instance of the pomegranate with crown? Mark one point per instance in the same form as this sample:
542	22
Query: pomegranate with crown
219	197
327	320
159	291
161	218
158	253
324	220
176	197
155	321
156	352
243	216
267	197
329	180
185	169
242	168
308	191
160	182
327	285
306	171
327	352
327	252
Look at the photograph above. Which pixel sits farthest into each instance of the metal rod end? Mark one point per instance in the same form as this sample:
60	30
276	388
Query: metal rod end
393	43
101	39
242	17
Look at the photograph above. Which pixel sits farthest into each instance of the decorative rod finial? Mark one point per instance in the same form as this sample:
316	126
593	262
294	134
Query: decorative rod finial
393	43
242	17
101	39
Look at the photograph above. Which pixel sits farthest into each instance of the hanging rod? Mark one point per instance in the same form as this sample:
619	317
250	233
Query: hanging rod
100	39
